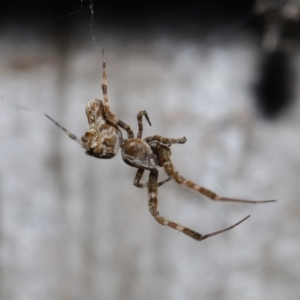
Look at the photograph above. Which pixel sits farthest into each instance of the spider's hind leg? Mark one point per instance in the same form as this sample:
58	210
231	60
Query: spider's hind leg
168	166
138	178
167	142
153	207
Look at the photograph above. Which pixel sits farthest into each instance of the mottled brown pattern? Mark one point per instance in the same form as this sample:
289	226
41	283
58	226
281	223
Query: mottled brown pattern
104	138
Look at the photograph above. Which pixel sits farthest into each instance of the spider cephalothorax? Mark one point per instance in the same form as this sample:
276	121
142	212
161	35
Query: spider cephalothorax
137	153
104	138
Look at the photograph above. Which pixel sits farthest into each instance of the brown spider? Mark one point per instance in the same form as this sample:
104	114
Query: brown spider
104	138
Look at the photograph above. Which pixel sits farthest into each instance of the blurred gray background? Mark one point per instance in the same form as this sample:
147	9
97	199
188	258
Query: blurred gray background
74	227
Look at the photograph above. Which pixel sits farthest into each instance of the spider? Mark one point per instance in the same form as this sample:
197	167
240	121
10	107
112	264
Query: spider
104	138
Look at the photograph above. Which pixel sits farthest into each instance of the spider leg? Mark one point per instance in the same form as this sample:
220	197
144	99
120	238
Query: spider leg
138	177
70	135
140	122
110	116
157	139
168	166
164	181
153	207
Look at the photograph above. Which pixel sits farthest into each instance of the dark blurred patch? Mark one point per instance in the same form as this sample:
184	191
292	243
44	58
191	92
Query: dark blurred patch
128	13
274	90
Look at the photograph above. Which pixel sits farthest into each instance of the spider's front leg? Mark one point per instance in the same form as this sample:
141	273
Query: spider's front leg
140	122
156	138
153	207
70	134
109	115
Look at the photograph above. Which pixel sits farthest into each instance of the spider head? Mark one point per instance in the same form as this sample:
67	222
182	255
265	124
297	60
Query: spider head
138	154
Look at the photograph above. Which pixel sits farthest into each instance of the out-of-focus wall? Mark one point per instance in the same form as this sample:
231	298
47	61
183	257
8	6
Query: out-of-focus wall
74	227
